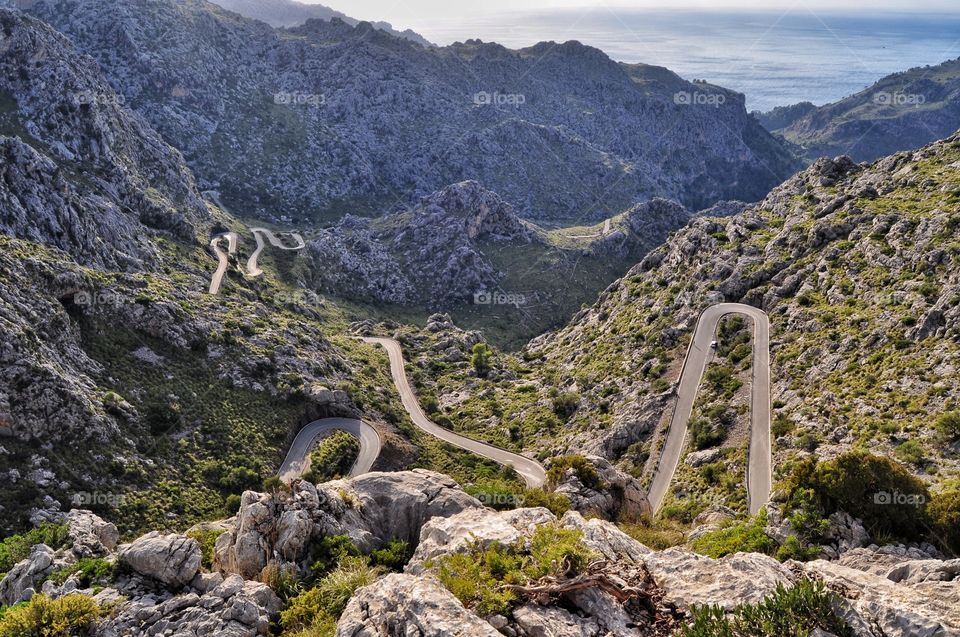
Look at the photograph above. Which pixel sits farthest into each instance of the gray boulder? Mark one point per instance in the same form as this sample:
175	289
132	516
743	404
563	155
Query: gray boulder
90	535
409	605
19	584
920	609
620	496
171	559
234	608
372	509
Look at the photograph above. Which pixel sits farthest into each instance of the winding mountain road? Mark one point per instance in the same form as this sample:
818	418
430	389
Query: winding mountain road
253	268
759	471
222	257
298	456
530	470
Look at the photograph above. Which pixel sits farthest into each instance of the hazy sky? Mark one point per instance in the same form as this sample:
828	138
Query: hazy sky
419	13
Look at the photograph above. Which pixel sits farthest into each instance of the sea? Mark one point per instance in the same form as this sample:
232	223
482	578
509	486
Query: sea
775	58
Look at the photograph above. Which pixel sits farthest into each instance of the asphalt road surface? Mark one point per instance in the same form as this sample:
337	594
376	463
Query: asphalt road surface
530	470
759	470
259	233
222	257
298	457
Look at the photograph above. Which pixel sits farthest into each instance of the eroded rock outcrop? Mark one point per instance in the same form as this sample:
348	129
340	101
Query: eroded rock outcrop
372	509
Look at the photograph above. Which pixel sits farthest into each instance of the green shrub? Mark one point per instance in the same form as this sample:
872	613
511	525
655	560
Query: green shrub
944	510
92	571
481	357
910	452
325	602
948	425
586	472
856	482
787	612
283	579
746	537
794	549
333	458
722	381
69	616
565	404
207	539
394	556
476	577
659	535
704	435
496	494
557	503
330	551
17	547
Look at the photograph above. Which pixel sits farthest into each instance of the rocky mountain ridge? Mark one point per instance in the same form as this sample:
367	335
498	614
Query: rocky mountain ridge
328	117
902	111
289	13
853	263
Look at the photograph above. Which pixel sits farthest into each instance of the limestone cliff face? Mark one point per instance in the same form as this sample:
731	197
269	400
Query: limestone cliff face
81	172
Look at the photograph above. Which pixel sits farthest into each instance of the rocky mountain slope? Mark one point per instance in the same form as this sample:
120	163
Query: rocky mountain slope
81	172
855	265
123	384
466	570
330	117
900	112
463	249
289	13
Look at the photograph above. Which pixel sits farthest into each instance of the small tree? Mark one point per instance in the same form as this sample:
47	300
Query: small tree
481	358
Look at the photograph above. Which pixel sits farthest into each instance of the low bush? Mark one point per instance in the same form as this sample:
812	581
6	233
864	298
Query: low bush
17	547
746	537
659	535
586	472
207	540
330	551
393	556
556	503
68	616
476	577
565	404
322	605
333	458
879	491
795	611
92	571
944	511
948	425
704	435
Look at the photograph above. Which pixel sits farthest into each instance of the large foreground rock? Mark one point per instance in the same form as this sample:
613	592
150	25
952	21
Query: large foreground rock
409	605
372	509
171	559
90	535
689	579
230	608
892	609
